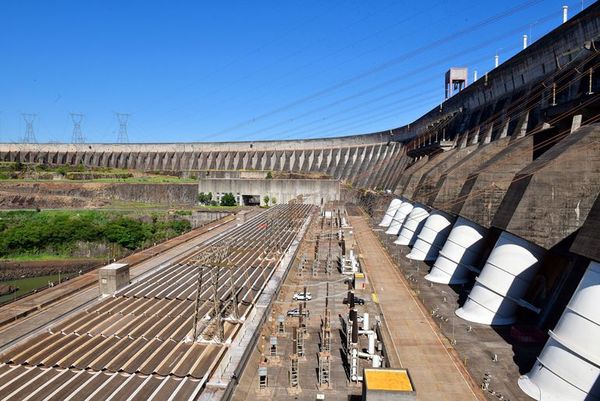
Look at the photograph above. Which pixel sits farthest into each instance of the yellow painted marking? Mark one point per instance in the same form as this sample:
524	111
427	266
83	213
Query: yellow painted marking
375	298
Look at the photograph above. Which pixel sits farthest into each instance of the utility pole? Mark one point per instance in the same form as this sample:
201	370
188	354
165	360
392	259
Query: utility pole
122	136
77	136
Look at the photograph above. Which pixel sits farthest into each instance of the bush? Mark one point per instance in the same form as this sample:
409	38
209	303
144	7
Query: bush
269	175
205	199
266	200
228	200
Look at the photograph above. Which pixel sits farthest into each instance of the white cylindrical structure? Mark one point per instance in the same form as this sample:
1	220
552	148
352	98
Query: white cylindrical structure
565	13
461	250
412	225
390	212
503	281
432	236
568	367
524	41
403	211
372	337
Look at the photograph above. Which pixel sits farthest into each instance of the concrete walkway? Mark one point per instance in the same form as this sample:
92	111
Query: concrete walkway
437	373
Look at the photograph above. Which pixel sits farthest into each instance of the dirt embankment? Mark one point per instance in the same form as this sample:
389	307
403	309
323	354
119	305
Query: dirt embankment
12	270
45	195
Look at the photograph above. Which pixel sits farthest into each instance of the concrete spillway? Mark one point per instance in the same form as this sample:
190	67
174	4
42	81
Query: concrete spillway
459	254
432	236
568	367
503	281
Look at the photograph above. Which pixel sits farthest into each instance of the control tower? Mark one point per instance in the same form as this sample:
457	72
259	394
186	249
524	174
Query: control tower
456	80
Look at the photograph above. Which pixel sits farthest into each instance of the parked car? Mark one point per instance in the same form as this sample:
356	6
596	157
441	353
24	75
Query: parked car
296	312
357	301
302	296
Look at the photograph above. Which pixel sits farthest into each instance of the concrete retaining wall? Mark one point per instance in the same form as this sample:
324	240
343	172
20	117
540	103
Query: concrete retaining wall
315	192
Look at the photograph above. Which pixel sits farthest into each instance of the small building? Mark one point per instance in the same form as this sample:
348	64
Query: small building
360	281
113	277
241	217
386	384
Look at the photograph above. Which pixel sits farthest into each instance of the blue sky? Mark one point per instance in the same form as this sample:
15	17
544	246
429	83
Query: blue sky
245	70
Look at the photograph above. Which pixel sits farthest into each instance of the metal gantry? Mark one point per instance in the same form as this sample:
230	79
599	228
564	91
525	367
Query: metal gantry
229	267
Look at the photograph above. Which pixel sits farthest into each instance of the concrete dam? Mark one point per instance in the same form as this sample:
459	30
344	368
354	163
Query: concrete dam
489	203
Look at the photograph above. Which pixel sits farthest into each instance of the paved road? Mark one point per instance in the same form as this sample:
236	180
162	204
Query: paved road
25	327
436	371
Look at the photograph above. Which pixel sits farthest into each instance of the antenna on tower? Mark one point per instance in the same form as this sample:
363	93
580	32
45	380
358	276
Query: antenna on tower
122	136
77	134
29	136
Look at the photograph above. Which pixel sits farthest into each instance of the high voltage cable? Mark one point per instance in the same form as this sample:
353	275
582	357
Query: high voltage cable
376	115
408	74
294	132
386	83
494	117
329	55
531	67
386	65
414	72
527	97
538	146
238	59
354	107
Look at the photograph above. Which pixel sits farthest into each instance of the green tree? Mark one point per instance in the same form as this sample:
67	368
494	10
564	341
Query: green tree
273	200
127	232
266	200
228	200
269	175
205	199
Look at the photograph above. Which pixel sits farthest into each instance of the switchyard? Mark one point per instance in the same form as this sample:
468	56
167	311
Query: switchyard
306	348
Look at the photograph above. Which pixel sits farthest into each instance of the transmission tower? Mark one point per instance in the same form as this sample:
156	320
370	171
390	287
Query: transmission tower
29	136
122	137
77	134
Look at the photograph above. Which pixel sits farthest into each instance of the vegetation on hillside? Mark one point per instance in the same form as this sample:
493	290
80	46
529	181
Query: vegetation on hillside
59	232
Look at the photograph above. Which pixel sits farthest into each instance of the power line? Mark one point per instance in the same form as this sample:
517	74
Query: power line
399	22
414	72
384	66
369	90
298	26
